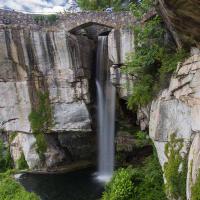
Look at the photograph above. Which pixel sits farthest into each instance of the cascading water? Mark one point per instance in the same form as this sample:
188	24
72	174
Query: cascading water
106	112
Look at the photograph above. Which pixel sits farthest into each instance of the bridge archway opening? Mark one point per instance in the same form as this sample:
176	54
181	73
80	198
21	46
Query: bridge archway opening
91	29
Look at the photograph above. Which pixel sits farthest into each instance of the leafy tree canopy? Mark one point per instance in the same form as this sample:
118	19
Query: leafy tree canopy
99	4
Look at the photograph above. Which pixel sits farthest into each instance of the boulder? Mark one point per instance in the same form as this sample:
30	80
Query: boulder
26	144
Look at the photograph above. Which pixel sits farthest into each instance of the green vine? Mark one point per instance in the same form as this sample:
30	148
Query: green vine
175	169
21	162
41	120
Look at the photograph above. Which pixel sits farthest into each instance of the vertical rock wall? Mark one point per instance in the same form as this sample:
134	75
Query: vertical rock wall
51	62
120	45
177	111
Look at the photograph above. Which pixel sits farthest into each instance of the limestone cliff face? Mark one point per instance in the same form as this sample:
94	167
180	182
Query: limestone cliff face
177	110
120	45
47	61
50	62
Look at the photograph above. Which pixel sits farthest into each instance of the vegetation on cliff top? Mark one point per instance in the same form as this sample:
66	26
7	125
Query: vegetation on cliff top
99	4
46	18
144	182
155	58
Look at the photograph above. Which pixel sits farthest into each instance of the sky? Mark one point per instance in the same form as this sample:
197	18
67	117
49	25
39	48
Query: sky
36	6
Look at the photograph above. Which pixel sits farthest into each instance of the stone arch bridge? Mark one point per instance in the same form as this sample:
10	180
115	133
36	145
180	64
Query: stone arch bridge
68	21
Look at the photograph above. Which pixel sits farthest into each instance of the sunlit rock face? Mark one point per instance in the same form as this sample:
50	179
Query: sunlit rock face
47	61
183	19
177	110
120	45
25	144
52	62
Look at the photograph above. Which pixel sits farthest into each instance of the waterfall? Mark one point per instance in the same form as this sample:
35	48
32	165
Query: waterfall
106	112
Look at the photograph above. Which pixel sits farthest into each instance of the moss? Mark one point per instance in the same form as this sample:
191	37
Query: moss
195	190
175	169
21	163
11	190
41	121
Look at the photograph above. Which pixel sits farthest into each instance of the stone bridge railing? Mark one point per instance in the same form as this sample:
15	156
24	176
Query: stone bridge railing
114	20
69	21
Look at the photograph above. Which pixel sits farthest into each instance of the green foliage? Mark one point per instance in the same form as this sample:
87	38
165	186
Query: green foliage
139	9
141	183
142	92
99	4
5	158
142	139
175	170
11	190
195	195
45	18
41	145
153	61
41	116
141	135
21	163
121	186
41	120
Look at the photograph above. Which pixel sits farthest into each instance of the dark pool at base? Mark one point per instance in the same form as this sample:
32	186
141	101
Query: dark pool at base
78	185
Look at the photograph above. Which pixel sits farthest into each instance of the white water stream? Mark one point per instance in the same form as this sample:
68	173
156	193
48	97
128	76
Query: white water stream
106	94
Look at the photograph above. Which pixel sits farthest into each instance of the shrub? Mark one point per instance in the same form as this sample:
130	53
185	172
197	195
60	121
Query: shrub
141	183
142	139
121	186
21	163
11	190
148	181
175	169
153	61
141	135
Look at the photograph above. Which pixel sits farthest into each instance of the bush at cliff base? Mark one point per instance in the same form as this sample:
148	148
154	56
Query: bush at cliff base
11	190
140	183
